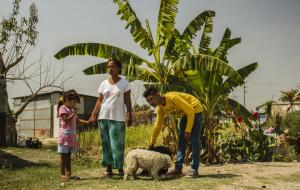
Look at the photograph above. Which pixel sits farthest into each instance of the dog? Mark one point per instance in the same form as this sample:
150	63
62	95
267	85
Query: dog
163	150
147	160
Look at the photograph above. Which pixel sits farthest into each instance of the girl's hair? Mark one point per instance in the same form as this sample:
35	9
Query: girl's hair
117	63
67	96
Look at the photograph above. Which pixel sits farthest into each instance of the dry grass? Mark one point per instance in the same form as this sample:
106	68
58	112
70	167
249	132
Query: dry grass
23	168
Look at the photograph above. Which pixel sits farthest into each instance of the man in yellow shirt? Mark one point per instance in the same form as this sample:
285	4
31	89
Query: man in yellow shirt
190	109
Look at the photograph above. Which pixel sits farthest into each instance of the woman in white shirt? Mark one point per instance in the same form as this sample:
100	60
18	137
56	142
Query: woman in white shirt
114	95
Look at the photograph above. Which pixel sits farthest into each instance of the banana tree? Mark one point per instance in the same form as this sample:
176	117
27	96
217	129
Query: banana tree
166	47
213	82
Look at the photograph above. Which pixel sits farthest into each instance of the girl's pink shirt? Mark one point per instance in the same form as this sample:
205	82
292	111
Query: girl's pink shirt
67	130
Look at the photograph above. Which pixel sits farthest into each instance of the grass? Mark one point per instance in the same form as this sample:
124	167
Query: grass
135	137
23	168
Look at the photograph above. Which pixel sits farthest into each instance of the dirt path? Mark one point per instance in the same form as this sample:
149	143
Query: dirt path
269	175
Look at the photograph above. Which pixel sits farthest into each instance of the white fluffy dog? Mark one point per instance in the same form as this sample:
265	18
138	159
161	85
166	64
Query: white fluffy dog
147	160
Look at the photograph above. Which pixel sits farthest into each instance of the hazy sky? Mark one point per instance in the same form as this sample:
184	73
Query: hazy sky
270	32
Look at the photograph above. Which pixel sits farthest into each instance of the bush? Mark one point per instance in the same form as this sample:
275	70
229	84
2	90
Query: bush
230	145
291	127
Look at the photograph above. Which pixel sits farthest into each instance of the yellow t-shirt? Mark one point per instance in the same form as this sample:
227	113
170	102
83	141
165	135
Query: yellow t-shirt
177	103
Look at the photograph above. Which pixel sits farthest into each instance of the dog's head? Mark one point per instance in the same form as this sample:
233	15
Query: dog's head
162	149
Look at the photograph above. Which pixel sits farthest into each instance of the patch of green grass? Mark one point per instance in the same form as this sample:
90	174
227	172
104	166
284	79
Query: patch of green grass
135	137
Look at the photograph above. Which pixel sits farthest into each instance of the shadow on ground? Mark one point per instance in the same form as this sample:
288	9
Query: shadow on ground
219	176
10	161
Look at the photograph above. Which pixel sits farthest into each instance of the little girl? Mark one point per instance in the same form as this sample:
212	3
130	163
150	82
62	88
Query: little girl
67	141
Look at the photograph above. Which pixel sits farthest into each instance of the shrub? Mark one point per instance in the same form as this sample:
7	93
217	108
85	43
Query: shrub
291	126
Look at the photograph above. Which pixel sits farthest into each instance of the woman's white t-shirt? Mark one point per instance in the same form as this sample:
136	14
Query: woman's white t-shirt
113	105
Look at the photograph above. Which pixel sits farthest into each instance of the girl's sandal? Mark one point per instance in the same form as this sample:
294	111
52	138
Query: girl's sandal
64	178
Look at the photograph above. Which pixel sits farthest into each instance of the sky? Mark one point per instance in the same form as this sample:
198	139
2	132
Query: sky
270	32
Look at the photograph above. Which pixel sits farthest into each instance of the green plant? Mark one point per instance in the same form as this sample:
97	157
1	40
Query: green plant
230	143
291	126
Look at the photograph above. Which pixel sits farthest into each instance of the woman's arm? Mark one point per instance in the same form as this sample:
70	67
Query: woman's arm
127	101
97	107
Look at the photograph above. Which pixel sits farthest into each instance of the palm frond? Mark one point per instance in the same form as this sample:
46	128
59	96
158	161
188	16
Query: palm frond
166	21
209	63
140	34
99	50
195	25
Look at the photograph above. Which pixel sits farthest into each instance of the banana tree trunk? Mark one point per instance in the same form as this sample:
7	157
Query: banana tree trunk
171	136
211	139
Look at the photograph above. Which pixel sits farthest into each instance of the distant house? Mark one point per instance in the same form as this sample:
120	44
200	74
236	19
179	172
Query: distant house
281	108
39	119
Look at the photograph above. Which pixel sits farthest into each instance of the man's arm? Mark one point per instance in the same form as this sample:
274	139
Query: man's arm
157	127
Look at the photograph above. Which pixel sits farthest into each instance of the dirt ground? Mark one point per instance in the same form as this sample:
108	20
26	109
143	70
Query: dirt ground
268	175
23	168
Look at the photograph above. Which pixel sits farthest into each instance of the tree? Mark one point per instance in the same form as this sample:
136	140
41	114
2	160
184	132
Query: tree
167	47
291	96
212	83
17	38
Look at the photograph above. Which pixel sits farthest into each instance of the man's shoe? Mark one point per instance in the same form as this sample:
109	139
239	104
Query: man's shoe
174	173
192	174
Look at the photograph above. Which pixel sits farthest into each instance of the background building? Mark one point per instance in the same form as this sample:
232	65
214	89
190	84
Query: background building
39	119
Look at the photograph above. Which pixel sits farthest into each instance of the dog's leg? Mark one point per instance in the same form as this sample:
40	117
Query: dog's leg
134	173
126	172
154	173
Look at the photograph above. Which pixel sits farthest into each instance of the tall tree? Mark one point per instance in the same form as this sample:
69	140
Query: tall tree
211	85
18	36
166	47
291	96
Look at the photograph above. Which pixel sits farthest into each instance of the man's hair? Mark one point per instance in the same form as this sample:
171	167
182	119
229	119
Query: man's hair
150	91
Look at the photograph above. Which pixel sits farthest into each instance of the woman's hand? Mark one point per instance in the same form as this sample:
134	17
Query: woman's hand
93	118
128	119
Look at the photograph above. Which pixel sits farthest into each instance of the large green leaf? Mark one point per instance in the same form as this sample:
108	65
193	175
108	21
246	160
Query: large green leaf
206	39
99	50
239	110
166	21
195	25
244	72
99	68
209	63
137	72
140	34
225	44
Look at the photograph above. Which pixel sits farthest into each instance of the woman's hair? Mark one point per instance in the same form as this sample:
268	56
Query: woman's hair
117	63
67	96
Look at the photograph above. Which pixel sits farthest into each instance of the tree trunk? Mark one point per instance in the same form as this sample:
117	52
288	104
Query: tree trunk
171	137
210	140
2	129
4	109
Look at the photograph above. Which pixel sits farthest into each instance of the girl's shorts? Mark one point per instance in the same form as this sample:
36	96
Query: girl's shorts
66	149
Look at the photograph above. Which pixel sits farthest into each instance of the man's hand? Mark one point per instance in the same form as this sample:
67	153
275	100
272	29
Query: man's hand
187	136
151	146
